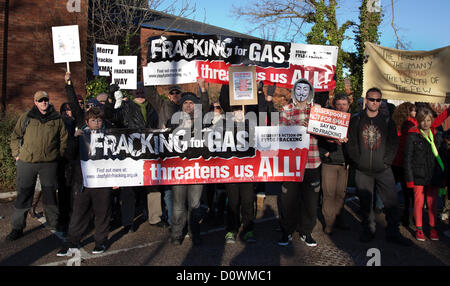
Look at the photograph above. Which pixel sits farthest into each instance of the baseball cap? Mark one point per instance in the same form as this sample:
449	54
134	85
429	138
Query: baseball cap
40	94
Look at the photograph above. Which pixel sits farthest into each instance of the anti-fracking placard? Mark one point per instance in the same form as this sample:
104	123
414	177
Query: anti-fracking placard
165	73
243	86
422	76
276	62
66	44
328	122
123	157
103	58
124	72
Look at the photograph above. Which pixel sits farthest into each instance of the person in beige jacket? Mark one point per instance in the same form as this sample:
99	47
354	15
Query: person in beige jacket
37	141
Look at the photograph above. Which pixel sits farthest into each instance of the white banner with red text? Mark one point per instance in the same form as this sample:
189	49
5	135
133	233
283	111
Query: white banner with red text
122	157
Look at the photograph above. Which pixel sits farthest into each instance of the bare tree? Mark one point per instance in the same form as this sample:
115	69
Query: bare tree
115	22
271	15
293	16
119	22
399	44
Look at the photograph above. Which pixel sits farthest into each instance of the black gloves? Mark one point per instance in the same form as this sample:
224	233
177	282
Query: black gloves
260	86
113	88
271	89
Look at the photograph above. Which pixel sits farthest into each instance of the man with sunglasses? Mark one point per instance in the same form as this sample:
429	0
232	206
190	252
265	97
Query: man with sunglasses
37	141
166	108
372	146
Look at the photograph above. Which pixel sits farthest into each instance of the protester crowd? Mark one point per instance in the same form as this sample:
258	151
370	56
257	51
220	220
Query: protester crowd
384	149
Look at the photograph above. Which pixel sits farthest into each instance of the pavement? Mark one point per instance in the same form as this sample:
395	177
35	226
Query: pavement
150	246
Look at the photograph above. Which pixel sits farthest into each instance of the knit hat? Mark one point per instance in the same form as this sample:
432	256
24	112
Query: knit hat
94	102
189	96
175	87
40	94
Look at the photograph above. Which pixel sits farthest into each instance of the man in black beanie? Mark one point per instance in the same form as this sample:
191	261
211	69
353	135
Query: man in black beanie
190	193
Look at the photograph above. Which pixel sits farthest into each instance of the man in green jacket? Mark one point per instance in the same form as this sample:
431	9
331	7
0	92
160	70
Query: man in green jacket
37	141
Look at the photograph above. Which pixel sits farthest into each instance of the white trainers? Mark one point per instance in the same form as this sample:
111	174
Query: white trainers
308	240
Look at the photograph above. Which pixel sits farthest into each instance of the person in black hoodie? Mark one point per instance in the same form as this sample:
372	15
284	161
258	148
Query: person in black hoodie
241	196
135	114
88	201
65	168
372	146
184	194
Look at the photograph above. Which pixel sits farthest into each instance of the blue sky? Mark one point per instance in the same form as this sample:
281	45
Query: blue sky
423	25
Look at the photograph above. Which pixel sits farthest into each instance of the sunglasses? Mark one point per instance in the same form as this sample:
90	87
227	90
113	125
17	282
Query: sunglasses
174	92
90	105
44	99
373	99
217	107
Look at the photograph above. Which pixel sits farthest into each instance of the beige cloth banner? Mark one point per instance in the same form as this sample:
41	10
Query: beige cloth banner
422	76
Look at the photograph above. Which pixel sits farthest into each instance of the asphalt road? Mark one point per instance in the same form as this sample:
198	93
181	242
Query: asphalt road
150	246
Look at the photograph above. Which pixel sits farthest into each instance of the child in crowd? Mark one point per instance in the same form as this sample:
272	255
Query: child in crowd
88	200
424	156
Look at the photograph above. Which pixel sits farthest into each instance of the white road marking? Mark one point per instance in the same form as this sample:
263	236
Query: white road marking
86	256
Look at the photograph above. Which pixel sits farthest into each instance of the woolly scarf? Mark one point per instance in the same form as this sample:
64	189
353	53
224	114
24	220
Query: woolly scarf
143	107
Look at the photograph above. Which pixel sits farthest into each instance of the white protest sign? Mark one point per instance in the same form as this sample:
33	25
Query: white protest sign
124	72
104	56
277	138
313	55
328	122
166	73
66	44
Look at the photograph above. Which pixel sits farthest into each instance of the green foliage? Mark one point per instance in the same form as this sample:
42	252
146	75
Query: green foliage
96	86
326	31
367	31
317	34
7	162
100	84
126	47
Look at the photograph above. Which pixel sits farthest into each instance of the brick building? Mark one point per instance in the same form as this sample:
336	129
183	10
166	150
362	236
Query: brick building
162	23
26	50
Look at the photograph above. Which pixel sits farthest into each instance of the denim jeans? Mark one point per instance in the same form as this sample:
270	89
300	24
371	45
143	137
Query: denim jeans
168	200
191	215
